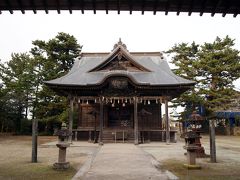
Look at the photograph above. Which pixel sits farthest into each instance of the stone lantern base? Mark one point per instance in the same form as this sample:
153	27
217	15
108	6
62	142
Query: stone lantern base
191	166
191	157
61	165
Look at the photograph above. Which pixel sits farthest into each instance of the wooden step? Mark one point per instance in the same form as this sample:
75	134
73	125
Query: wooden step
118	136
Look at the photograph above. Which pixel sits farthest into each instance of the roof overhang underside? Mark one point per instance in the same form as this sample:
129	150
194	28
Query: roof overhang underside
133	90
190	6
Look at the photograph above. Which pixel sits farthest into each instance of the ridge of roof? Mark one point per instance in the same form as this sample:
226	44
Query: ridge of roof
150	53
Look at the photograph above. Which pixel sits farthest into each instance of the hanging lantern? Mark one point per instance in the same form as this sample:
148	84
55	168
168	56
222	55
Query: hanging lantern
123	104
125	100
79	101
156	101
113	104
95	100
118	101
148	102
87	101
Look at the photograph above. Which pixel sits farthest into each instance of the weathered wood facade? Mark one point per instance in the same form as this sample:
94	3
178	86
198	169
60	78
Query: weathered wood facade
118	95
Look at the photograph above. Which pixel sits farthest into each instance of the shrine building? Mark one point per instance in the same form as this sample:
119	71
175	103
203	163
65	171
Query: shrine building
118	95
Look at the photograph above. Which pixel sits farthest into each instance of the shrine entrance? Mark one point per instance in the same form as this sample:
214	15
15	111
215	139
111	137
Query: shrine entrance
120	116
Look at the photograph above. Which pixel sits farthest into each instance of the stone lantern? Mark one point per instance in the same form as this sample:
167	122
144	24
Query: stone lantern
62	144
191	147
195	122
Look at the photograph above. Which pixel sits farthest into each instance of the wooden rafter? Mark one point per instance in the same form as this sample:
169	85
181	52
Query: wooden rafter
21	6
58	7
226	8
106	6
179	7
236	12
82	6
118	6
45	6
70	6
215	6
191	7
203	4
167	7
9	6
155	7
94	6
143	6
33	6
130	6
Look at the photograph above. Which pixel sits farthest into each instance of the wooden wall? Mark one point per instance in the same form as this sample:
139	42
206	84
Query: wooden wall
153	121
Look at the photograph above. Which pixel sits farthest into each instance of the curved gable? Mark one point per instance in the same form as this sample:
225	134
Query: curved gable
120	59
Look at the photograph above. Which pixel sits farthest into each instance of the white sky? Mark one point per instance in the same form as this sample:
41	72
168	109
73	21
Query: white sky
98	33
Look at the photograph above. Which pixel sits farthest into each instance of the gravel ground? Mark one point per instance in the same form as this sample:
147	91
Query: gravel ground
228	158
15	158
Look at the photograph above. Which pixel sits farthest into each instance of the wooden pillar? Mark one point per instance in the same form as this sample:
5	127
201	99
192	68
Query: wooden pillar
34	139
160	116
135	121
79	115
70	118
212	142
101	123
167	122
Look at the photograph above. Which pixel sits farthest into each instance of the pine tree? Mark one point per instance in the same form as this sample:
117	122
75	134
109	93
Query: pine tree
214	66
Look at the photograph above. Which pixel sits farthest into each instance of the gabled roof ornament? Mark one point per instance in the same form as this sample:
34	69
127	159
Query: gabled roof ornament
119	44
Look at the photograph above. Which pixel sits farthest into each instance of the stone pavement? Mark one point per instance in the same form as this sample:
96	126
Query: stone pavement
122	162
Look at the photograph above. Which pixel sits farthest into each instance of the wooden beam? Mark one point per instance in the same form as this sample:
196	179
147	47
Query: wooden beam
212	142
101	116
167	122
34	140
70	116
135	101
